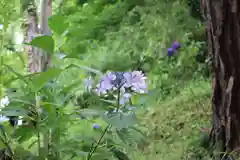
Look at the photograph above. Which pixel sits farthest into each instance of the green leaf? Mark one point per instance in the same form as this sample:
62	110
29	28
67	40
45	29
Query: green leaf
119	154
14	112
19	76
68	88
46	43
89	112
23	133
27	155
57	24
85	68
39	80
121	120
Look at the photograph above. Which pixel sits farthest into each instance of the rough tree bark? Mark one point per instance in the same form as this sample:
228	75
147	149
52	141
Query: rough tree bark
34	57
38	60
222	18
46	12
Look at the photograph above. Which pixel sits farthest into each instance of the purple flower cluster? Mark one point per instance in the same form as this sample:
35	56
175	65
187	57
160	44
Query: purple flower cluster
120	81
175	46
135	80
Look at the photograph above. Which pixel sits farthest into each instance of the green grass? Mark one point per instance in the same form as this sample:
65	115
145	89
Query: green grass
173	126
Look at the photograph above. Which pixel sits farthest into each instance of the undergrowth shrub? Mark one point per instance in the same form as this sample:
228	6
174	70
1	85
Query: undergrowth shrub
102	36
139	38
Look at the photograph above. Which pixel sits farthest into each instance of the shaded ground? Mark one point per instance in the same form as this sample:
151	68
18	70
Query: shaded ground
173	126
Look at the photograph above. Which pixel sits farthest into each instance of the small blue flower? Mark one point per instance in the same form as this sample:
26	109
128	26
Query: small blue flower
96	126
176	45
171	51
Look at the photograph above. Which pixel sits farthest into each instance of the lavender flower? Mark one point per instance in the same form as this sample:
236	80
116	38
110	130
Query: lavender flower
106	83
176	45
122	80
96	126
136	81
125	98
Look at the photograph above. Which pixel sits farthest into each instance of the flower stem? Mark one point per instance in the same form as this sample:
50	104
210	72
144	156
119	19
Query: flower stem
105	130
98	143
118	100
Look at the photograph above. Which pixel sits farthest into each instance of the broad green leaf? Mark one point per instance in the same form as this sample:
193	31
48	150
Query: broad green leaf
119	154
27	155
109	101
41	79
46	43
85	68
57	24
89	112
24	133
121	120
19	76
14	112
68	88
102	154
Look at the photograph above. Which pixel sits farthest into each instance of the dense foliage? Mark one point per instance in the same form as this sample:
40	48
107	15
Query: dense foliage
104	42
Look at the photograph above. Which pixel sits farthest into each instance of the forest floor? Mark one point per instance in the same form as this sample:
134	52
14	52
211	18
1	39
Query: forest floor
174	125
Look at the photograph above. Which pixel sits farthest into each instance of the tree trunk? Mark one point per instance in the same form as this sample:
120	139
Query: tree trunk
46	12
223	29
34	57
38	60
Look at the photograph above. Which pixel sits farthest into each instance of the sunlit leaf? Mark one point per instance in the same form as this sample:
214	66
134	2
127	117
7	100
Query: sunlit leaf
19	76
121	120
69	87
57	24
24	153
85	68
23	133
41	79
14	112
46	43
89	112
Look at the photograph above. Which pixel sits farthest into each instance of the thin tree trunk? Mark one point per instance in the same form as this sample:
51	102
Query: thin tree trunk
223	28
46	12
39	60
34	57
